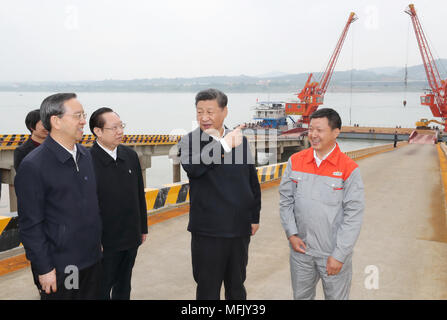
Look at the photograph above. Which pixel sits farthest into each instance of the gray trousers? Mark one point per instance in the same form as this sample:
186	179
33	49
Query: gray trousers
307	270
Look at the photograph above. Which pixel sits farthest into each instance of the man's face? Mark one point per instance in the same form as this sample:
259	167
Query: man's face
71	125
322	137
40	132
210	116
111	134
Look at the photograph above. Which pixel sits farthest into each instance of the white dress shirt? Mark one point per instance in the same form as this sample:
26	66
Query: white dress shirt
111	153
72	152
318	161
222	140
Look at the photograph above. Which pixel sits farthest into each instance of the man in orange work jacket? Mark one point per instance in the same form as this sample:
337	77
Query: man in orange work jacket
321	209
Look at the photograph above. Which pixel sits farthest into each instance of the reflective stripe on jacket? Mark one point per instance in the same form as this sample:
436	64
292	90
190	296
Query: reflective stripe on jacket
322	205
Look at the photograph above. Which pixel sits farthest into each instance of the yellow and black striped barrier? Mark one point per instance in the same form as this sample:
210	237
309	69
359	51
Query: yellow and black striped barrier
9	232
178	193
271	172
15	140
173	194
11	140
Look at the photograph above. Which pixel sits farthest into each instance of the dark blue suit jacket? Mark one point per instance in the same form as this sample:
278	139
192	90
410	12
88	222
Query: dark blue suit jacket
59	221
225	195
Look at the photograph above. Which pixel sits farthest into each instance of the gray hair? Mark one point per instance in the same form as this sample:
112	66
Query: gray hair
54	106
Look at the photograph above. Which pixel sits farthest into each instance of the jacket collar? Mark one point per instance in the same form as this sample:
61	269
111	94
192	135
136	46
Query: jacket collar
198	129
105	158
61	154
332	158
30	143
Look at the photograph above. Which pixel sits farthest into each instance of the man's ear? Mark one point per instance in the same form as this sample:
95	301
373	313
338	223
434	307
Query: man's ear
55	122
97	131
225	111
336	132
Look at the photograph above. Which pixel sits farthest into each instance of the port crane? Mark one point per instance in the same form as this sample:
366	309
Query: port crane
312	95
436	97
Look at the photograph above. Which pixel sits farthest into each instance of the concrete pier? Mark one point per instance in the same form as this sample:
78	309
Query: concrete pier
403	238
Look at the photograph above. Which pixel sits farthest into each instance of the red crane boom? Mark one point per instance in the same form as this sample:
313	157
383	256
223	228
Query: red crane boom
436	99
312	95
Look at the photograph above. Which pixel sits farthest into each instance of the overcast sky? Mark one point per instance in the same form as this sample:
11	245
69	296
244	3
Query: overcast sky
61	40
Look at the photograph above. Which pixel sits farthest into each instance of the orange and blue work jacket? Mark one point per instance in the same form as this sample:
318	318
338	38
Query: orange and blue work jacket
322	205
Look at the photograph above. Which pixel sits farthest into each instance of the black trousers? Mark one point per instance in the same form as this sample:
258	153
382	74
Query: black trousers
216	260
117	274
88	285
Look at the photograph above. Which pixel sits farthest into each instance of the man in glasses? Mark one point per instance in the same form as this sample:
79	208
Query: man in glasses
59	221
121	200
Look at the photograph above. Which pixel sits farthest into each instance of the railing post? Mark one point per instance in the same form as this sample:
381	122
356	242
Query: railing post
12	199
176	172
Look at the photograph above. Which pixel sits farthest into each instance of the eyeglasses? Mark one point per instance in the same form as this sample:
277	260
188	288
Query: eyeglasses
115	128
78	115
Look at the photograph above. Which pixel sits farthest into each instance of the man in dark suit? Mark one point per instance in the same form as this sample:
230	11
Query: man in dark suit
59	221
225	199
122	203
38	135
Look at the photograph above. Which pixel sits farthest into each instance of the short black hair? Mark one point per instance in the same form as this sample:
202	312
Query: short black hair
212	94
54	106
332	116
32	118
96	119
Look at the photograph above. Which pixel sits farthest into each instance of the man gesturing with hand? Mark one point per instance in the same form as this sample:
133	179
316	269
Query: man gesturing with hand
225	199
321	209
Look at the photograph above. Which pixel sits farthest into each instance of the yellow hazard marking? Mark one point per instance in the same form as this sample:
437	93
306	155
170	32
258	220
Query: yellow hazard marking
151	196
259	174
269	172
13	264
276	176
4	222
173	194
443	168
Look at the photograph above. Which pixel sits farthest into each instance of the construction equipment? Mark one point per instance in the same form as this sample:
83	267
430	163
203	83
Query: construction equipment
424	123
312	95
435	97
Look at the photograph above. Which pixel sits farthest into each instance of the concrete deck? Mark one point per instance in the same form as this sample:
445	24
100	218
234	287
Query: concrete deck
404	236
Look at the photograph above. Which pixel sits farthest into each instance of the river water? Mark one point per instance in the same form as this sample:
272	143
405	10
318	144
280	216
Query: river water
174	113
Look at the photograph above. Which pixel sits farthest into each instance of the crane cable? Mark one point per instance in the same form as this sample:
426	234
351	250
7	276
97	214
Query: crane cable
406	66
436	55
352	71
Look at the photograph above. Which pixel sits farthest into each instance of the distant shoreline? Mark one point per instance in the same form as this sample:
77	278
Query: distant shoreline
366	89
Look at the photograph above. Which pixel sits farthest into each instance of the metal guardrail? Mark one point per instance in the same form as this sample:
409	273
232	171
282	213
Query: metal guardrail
356	154
11	141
